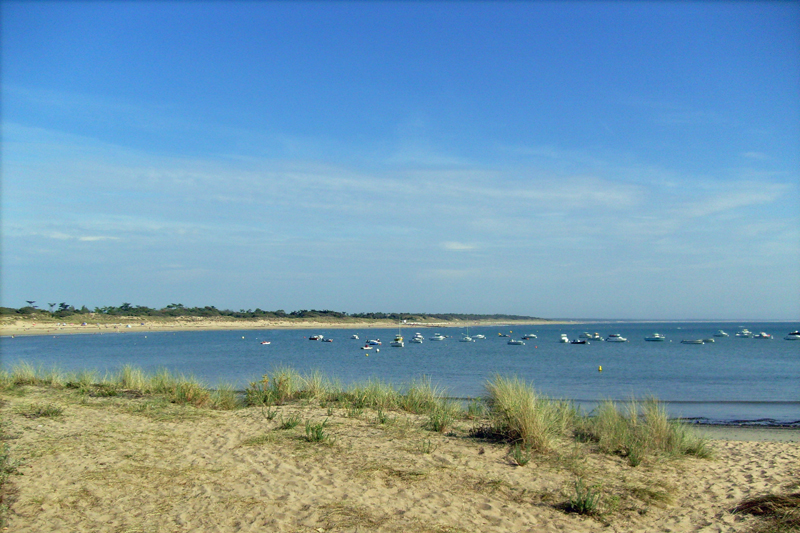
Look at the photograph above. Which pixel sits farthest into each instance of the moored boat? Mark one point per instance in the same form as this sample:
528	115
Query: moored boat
354	336
762	335
580	341
265	342
656	337
374	342
616	337
516	342
793	336
438	337
316	337
744	333
528	337
690	341
479	336
721	333
564	339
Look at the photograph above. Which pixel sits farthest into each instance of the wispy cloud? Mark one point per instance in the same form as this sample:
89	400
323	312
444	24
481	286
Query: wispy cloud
459	246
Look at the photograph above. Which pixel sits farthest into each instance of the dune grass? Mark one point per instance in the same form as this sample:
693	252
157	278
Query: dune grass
521	415
780	513
512	410
639	430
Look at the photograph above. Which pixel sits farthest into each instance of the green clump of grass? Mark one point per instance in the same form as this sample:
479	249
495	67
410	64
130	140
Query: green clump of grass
780	513
519	414
442	415
421	397
290	423
276	390
585	500
38	410
642	429
316	432
521	454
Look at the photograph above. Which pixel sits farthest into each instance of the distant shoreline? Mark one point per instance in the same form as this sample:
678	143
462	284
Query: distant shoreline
138	324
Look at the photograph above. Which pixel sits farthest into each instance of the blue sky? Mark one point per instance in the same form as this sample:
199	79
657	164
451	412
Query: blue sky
565	159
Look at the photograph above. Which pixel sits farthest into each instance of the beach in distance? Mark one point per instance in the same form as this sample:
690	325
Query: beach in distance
89	324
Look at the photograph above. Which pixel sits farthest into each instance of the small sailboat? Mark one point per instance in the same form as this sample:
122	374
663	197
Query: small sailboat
398	339
466	338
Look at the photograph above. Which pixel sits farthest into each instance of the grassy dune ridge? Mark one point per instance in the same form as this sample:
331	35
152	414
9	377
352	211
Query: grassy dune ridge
512	410
91	446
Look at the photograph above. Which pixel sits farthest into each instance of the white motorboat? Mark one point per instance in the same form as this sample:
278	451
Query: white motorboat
479	336
745	333
516	342
367	347
762	335
696	341
316	337
466	338
585	335
416	340
793	336
656	337
354	337
564	339
721	333
529	336
616	337
438	337
265	342
374	342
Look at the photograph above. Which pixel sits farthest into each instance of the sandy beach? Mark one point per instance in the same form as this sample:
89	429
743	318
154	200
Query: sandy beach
11	326
140	464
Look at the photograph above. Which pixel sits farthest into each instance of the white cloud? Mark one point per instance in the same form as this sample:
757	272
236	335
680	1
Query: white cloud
459	246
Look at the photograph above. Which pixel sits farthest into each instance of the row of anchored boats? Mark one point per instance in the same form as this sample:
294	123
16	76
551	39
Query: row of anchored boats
584	338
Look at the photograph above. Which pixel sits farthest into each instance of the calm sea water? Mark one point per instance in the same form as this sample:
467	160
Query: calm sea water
733	379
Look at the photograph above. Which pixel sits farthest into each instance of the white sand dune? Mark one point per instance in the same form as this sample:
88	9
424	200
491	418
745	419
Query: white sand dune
110	464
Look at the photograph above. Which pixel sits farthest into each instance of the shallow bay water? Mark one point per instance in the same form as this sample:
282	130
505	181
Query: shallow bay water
730	380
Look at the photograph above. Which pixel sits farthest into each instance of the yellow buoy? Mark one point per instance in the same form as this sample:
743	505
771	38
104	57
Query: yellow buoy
600	368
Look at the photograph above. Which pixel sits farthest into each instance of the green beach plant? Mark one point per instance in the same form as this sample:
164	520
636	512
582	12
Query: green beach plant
519	414
38	410
421	396
316	432
641	429
290	423
586	500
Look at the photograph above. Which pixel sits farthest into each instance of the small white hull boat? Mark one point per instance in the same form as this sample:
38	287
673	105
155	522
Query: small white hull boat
516	342
793	336
656	337
616	337
697	341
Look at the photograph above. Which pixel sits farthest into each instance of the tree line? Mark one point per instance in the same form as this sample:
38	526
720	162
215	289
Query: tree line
63	310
